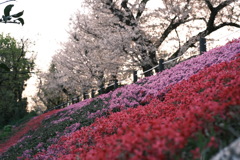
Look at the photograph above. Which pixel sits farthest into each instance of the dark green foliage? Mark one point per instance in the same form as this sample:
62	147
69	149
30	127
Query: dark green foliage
5	132
4	67
13	75
23	120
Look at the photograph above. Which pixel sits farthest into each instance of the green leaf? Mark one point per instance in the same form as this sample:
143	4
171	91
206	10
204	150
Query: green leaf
4	66
18	14
7	10
21	21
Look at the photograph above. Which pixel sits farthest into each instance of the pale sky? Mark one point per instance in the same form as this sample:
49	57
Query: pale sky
46	22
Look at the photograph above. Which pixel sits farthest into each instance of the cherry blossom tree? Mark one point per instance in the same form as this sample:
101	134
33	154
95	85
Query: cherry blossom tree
50	91
150	30
114	36
87	61
142	34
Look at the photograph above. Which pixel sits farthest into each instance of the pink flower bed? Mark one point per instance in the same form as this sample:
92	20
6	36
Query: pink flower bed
161	129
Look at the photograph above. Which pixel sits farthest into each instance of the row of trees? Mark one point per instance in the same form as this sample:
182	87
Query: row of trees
13	78
114	36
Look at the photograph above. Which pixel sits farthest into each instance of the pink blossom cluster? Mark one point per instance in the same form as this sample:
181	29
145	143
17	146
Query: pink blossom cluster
62	116
61	120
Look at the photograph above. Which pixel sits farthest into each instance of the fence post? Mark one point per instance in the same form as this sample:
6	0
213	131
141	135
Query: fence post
92	93
203	46
65	104
101	89
135	76
160	65
84	96
115	84
73	100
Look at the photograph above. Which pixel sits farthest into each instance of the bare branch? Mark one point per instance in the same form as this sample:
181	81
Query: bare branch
10	22
204	33
224	4
210	6
7	1
179	41
141	8
227	24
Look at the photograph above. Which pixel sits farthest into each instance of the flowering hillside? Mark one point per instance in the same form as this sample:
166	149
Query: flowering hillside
181	113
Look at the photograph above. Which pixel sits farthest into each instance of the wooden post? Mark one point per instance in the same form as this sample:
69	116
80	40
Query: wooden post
73	100
92	93
135	76
203	47
161	65
84	95
67	103
101	91
115	84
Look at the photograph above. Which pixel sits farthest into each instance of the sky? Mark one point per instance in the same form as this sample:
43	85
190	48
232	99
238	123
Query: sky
46	23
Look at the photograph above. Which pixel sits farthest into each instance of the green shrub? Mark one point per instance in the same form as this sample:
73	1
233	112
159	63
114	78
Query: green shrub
7	128
6	131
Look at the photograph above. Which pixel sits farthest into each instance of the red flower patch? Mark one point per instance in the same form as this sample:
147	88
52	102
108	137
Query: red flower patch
161	129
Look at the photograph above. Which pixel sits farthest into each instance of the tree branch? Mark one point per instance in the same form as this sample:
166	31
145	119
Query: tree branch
7	1
204	33
141	8
224	4
124	5
210	6
128	20
129	13
214	12
227	24
10	22
173	25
